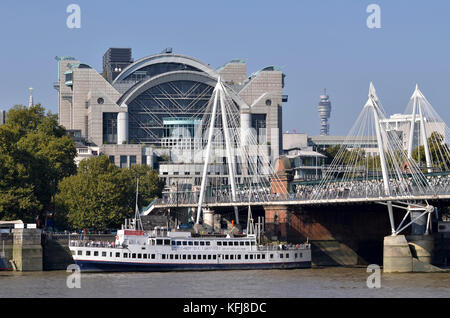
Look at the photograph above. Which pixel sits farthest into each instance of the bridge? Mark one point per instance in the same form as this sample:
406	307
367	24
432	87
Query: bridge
403	172
293	200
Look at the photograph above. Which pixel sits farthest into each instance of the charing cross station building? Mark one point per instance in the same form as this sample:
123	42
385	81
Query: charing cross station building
133	111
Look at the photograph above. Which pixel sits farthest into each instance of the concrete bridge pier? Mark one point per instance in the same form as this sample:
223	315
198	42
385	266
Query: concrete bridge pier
414	252
208	218
407	254
422	247
397	257
211	220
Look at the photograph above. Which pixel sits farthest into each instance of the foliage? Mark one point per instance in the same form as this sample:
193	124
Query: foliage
354	156
439	152
150	185
330	152
35	154
101	195
97	197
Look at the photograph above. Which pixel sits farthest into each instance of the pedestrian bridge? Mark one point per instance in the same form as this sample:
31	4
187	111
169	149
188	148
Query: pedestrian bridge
389	174
295	199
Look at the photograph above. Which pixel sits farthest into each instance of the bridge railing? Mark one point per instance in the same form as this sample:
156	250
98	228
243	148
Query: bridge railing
437	185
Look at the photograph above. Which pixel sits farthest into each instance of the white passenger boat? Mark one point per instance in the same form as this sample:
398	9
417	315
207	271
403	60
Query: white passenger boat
163	250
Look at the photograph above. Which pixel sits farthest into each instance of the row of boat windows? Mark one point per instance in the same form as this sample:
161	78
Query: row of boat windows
201	243
189	256
214	256
117	254
236	243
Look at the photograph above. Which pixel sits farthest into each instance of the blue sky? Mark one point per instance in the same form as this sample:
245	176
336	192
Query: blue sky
318	43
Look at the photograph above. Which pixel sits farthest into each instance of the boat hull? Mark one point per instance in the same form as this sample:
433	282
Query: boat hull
3	264
106	266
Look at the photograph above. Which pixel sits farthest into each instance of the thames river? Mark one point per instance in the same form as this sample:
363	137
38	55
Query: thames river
303	283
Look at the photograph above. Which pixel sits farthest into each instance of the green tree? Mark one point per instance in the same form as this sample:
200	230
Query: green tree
354	156
53	159
330	152
439	152
25	119
97	197
150	185
35	154
101	195
373	163
17	196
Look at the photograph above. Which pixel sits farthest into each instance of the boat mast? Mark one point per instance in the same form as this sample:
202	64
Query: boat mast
137	215
250	223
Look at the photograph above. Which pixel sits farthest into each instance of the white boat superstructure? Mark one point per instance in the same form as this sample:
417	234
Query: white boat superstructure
163	250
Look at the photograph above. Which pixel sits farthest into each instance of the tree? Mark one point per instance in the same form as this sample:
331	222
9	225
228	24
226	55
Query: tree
101	195
25	119
373	163
150	185
35	154
53	159
96	197
330	152
17	197
439	152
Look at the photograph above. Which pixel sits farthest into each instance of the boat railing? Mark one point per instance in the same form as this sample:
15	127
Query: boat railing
288	247
75	243
105	244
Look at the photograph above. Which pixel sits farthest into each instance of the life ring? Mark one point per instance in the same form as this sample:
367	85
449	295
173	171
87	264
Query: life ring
117	237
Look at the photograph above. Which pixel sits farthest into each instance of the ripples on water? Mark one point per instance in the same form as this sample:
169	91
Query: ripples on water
316	282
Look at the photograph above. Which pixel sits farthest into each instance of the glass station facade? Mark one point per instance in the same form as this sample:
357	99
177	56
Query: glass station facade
175	99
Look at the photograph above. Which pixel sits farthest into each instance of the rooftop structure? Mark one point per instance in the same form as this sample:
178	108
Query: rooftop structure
114	60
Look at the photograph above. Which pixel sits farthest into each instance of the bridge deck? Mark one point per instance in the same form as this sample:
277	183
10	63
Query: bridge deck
307	202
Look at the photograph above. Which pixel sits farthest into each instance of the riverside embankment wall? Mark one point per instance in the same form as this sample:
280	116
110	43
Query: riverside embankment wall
56	252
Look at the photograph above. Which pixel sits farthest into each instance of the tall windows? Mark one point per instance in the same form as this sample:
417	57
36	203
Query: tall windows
123	161
132	161
259	124
110	128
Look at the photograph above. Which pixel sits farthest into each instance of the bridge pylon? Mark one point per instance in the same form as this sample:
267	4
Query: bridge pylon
429	136
218	94
383	170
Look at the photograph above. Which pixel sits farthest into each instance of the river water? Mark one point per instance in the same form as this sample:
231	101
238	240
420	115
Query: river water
315	282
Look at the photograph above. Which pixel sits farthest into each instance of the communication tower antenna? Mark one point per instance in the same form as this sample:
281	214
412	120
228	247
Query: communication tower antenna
324	109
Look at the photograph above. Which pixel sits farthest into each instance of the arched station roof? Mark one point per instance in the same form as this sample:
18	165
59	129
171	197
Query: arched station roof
139	88
145	62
